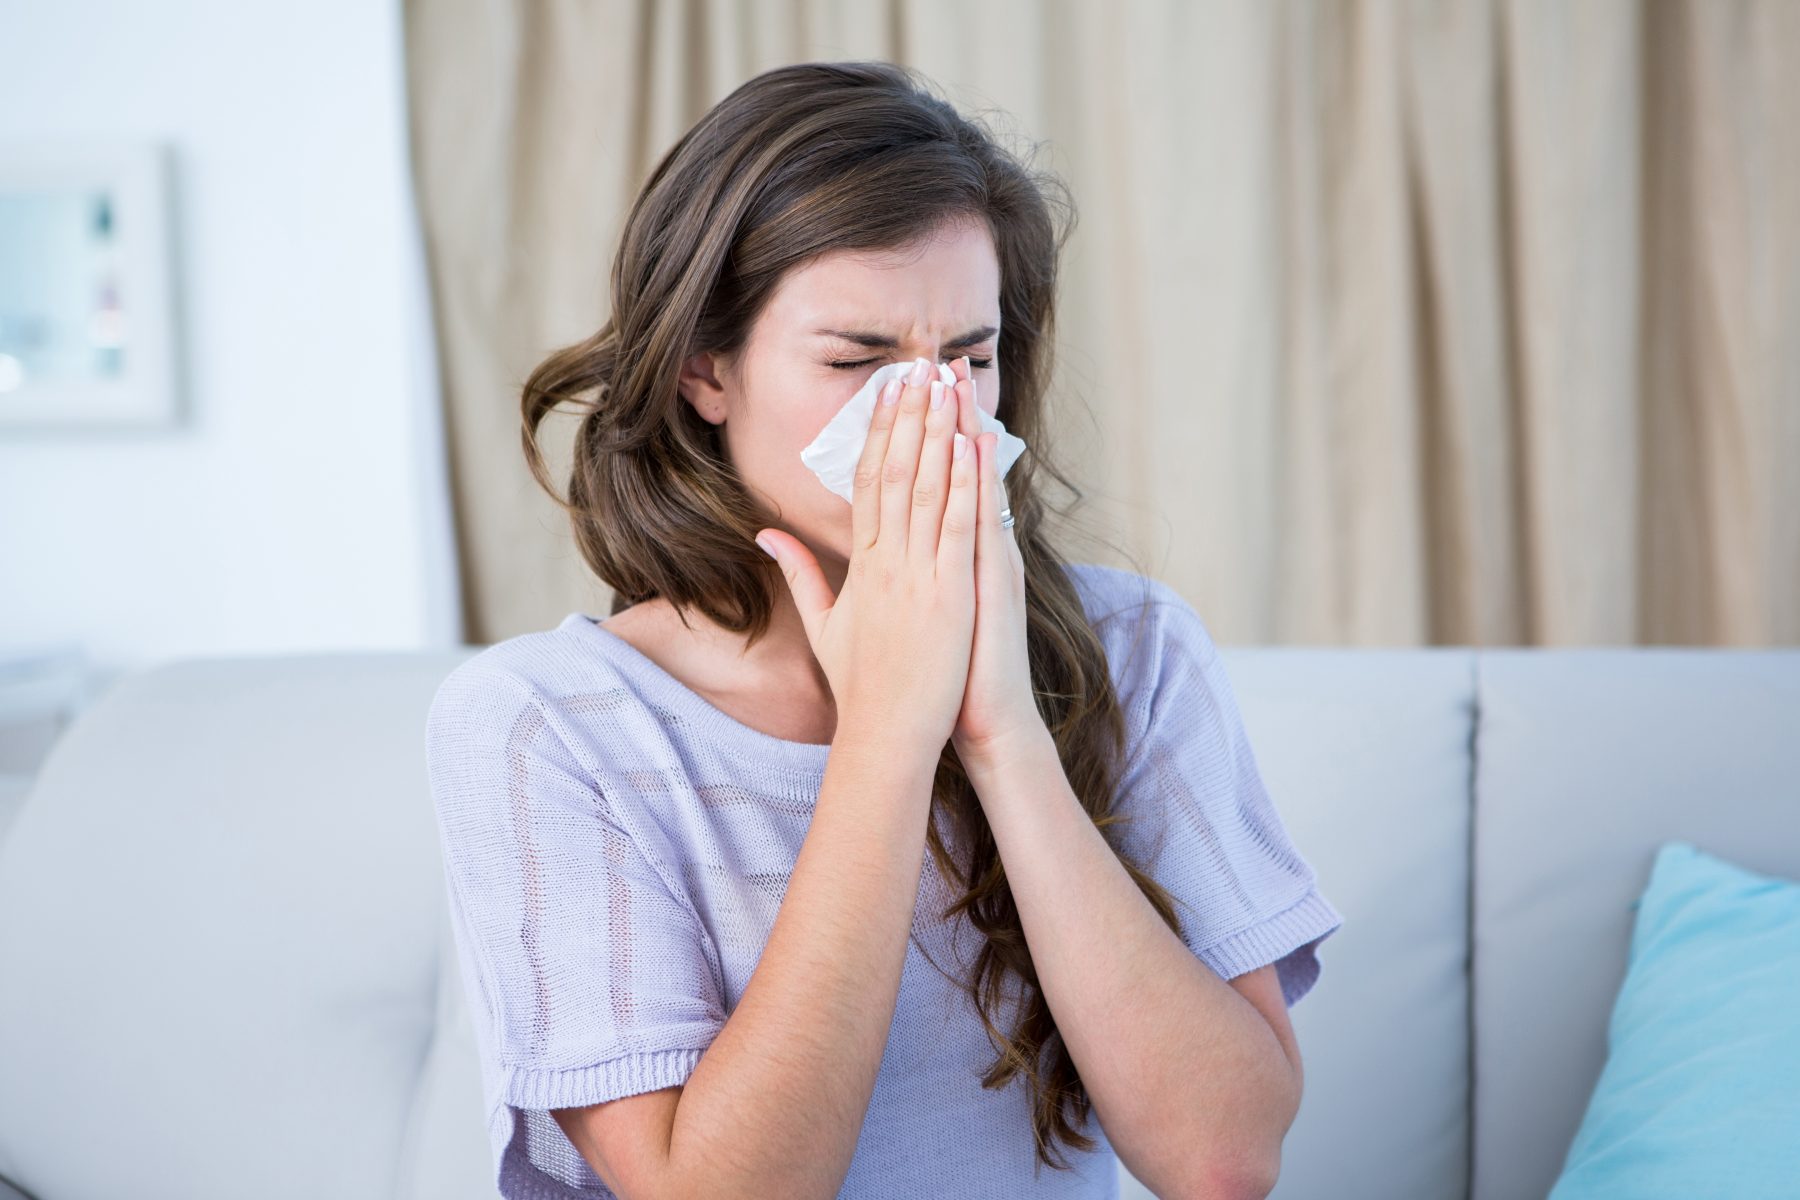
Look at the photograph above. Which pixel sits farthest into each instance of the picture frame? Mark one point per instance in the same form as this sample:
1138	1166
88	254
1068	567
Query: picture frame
87	313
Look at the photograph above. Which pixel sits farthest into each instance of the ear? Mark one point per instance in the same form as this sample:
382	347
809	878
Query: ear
700	383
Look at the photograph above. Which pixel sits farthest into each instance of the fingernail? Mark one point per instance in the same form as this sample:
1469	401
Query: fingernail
921	368
768	549
890	392
961	448
937	393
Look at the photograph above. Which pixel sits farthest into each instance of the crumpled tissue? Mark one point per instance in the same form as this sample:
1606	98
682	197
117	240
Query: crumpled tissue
833	455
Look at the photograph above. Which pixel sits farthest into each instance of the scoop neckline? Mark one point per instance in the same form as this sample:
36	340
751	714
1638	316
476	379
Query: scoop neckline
807	754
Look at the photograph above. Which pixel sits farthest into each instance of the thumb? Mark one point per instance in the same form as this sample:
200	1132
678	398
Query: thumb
805	579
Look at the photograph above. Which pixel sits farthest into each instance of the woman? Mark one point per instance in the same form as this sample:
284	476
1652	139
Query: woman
901	861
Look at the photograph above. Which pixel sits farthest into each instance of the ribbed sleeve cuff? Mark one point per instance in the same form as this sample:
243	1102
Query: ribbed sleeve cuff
1306	920
627	1075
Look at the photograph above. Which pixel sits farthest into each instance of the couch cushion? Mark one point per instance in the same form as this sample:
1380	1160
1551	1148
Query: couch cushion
1366	756
1586	761
221	917
1698	1096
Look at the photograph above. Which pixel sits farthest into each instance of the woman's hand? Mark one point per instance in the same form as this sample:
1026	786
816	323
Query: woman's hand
894	643
998	701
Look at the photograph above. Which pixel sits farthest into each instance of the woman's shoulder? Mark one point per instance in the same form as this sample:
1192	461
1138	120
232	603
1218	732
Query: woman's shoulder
1114	596
1140	620
541	667
1108	591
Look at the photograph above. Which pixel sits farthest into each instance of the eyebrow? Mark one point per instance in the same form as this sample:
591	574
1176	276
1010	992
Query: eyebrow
879	341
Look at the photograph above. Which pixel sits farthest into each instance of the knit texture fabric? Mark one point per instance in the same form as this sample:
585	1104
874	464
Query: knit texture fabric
616	849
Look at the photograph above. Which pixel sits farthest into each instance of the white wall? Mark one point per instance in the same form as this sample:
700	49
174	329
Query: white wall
299	505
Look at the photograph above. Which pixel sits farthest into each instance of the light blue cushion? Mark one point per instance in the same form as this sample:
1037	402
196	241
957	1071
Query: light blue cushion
1700	1095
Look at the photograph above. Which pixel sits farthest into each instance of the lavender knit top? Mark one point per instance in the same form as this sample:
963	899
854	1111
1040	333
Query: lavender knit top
616	849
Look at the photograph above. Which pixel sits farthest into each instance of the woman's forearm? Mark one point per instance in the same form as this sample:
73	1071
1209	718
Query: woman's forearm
776	1104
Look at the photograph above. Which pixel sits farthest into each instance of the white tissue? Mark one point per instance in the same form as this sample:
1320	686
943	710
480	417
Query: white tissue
833	455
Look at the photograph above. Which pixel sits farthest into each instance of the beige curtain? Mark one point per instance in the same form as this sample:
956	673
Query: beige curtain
1397	323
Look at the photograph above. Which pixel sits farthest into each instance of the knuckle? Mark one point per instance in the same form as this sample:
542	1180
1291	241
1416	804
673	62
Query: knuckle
895	471
957	524
925	495
868	474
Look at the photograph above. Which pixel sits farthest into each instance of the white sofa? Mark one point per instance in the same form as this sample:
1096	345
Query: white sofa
225	967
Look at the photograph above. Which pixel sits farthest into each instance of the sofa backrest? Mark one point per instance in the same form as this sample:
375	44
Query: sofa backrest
1585	762
1366	755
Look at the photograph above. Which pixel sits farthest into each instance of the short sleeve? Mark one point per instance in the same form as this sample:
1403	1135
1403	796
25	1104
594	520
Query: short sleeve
588	978
1201	822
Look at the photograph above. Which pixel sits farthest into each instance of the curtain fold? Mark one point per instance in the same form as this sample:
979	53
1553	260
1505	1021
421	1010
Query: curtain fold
1384	323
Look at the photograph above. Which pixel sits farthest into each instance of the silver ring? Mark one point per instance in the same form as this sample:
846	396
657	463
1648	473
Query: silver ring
1006	518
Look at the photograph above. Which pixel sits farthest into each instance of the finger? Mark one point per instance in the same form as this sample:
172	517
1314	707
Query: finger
932	484
805	578
988	533
900	465
993	489
956	540
968	420
987	511
865	492
1001	503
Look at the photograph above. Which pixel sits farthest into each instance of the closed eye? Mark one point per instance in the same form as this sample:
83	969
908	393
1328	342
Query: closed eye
975	364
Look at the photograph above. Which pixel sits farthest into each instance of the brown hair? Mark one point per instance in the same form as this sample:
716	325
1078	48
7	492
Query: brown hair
798	162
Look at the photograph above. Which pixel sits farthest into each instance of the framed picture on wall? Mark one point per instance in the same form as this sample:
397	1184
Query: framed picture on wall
87	328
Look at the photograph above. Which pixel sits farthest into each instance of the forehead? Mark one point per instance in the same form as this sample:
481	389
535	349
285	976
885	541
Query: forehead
943	286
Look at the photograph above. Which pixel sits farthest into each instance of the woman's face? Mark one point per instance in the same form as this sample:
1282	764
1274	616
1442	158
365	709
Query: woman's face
938	301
